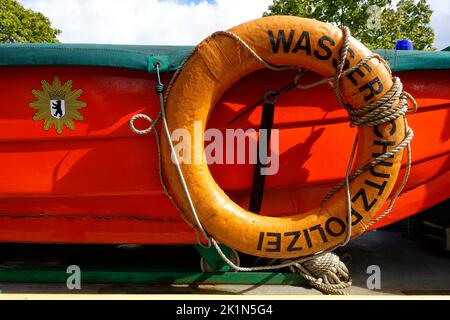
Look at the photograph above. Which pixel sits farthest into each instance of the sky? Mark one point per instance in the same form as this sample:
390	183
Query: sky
170	22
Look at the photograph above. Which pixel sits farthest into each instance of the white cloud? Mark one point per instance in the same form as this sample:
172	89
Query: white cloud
144	21
169	21
440	21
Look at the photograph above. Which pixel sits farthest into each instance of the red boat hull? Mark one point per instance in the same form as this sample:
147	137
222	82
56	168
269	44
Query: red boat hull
100	183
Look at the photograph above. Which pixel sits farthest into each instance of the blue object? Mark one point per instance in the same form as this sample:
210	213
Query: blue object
404	44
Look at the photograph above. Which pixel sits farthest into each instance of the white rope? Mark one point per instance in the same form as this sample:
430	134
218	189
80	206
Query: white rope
151	127
327	273
145	117
180	173
323	270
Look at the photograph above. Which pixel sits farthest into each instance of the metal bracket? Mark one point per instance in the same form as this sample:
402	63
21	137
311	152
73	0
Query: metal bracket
163	64
213	258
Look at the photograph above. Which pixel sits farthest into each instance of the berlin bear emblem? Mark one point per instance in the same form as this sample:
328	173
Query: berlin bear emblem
57	105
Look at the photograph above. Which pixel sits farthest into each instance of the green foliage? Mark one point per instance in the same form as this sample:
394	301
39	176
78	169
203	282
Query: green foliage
409	19
18	24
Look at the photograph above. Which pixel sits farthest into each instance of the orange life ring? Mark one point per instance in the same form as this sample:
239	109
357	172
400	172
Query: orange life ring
216	64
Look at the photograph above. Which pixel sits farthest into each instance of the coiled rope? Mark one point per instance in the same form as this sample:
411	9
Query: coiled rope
323	270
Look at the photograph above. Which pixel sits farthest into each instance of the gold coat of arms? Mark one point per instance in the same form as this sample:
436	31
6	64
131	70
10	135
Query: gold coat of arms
57	105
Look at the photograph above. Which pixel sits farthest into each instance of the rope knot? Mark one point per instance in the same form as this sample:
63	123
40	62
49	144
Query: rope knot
159	88
325	272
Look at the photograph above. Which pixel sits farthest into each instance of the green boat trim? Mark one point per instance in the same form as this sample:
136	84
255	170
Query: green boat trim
142	58
132	57
400	60
48	274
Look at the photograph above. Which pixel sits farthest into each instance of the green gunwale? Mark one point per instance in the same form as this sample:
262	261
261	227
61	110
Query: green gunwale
138	57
